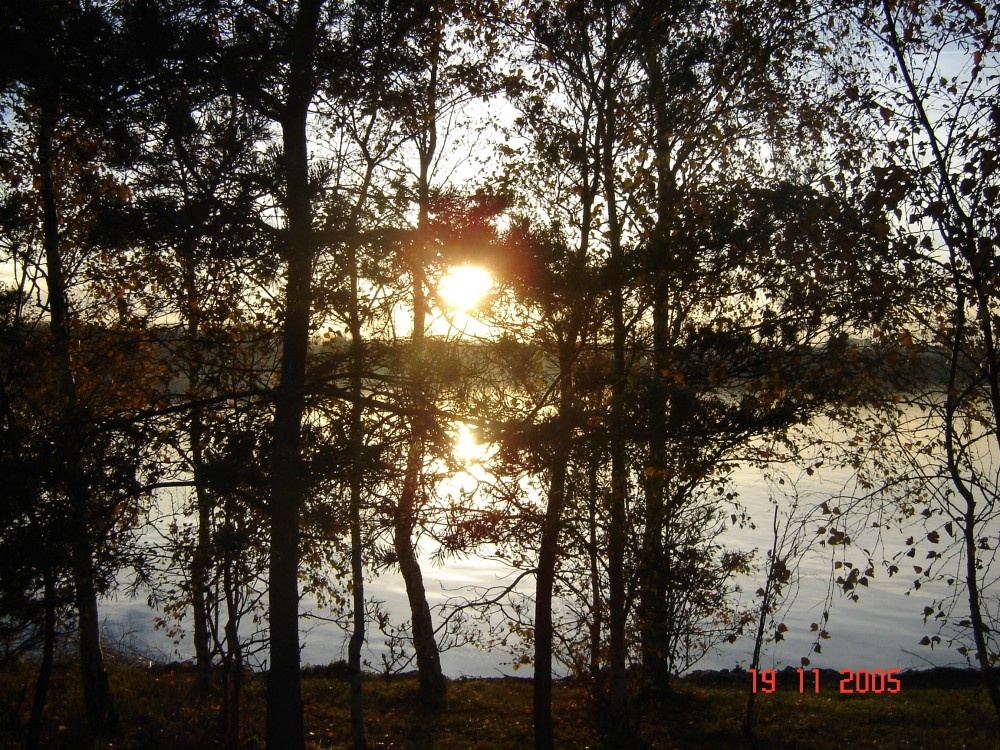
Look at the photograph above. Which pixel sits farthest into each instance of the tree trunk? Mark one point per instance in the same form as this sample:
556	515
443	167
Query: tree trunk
45	669
433	688
202	555
284	688
100	712
548	551
432	684
653	620
201	561
357	640
652	577
970	524
962	238
758	641
233	679
617	532
979	627
593	553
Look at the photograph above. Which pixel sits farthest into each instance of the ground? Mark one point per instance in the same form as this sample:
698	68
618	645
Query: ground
162	708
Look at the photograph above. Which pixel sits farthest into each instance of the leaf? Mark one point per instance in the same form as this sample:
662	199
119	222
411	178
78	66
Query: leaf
936	210
934	537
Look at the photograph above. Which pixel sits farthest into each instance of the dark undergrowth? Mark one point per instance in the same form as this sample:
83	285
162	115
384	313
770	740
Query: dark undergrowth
163	708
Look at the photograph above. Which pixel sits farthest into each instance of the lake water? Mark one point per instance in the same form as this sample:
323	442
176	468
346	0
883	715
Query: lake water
880	631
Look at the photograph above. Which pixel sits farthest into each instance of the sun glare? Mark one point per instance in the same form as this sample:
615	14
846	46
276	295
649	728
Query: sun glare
463	287
470	455
467	448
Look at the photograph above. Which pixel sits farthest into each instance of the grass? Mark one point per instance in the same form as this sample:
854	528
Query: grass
164	710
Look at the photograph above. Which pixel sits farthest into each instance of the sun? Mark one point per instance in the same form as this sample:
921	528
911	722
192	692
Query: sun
468	449
463	287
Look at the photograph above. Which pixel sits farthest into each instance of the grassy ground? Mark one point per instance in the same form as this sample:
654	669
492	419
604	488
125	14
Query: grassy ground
163	710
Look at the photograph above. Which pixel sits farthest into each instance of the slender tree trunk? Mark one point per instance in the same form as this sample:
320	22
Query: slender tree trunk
100	711
970	525
433	687
654	621
202	555
200	562
962	239
234	659
357	640
758	641
597	606
548	549
284	688
45	669
979	627
548	552
617	532
101	714
970	528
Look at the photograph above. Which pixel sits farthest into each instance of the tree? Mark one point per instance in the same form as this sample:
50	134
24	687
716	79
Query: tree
30	595
930	92
293	53
722	260
61	102
553	273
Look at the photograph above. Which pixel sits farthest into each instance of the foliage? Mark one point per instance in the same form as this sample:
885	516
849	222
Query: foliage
709	227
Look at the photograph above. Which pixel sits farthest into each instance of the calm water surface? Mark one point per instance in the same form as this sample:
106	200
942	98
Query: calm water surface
881	631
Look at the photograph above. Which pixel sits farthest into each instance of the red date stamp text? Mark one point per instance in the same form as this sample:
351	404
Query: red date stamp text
852	681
